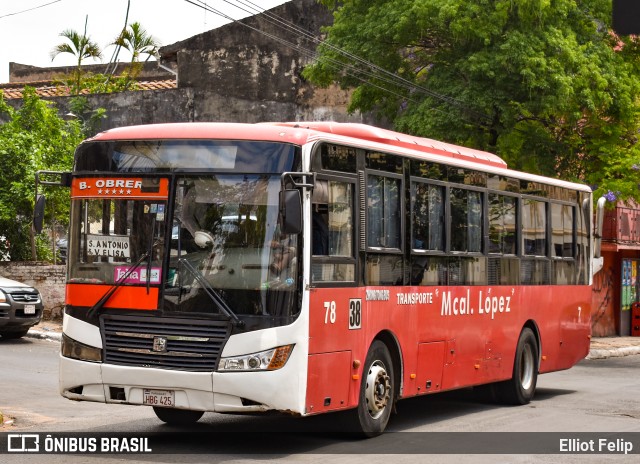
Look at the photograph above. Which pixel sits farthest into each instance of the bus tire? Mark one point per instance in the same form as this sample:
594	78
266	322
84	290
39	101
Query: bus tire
377	392
177	416
522	386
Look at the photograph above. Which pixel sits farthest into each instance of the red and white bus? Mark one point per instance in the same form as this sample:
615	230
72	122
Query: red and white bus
315	267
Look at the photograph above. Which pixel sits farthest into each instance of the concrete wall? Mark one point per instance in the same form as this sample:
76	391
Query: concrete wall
47	278
198	105
229	74
247	72
24	73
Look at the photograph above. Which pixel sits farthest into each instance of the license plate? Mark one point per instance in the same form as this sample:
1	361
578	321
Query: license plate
29	309
164	398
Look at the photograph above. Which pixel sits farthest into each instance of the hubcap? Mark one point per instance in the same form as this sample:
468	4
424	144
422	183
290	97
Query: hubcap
378	389
526	367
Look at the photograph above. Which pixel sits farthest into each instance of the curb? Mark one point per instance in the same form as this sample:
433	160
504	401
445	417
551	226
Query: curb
54	336
613	353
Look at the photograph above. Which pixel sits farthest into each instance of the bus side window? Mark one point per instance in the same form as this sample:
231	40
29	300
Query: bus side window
332	232
320	219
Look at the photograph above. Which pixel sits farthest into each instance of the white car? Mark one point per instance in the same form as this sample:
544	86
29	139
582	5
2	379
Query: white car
20	308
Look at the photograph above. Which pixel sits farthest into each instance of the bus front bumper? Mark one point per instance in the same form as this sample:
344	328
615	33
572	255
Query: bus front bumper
200	391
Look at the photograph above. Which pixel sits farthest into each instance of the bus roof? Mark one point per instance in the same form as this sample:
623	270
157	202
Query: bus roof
273	132
398	139
300	133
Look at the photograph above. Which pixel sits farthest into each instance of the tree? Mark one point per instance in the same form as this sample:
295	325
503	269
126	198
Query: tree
544	84
138	42
81	46
33	138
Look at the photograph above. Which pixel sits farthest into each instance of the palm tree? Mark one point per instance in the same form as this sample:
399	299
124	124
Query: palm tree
138	42
81	46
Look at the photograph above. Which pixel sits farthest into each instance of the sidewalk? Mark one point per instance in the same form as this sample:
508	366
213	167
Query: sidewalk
601	347
47	330
609	347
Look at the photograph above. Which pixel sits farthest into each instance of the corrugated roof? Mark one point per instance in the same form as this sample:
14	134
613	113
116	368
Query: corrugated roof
47	89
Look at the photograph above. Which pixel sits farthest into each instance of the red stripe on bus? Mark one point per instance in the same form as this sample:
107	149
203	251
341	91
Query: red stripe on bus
124	297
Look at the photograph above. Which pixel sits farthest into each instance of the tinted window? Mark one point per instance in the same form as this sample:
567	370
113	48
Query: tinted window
183	155
384	162
502	224
383	212
466	220
428	217
534	228
335	158
562	230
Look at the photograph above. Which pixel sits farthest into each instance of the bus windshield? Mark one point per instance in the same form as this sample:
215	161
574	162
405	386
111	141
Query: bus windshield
226	244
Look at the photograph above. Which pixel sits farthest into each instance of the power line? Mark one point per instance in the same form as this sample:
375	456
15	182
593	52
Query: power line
391	77
372	71
30	9
353	72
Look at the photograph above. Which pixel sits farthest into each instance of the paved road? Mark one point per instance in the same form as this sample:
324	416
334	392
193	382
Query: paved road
597	396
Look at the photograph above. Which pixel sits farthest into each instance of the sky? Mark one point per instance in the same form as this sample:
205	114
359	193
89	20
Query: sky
29	29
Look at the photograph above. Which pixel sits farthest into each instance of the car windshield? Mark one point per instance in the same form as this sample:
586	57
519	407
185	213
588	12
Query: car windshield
226	243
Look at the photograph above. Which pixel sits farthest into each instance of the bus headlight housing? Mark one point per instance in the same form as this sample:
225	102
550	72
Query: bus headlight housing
269	360
73	349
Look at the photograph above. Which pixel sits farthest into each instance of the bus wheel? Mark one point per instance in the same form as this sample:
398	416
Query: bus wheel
177	416
522	386
377	391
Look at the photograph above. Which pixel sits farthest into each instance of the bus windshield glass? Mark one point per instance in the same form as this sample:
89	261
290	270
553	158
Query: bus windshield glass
148	156
226	244
197	220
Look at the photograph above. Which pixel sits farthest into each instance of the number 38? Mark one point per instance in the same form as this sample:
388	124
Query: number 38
355	313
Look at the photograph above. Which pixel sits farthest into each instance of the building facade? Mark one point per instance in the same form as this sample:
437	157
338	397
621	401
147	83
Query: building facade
616	287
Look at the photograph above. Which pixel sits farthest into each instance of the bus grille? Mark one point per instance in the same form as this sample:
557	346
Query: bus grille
164	343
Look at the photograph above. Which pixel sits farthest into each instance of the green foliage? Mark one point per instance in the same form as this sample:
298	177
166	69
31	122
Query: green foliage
79	45
542	83
134	38
138	42
34	138
87	118
80	82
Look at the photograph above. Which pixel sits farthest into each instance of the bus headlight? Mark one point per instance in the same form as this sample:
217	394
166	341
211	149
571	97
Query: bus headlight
71	348
268	360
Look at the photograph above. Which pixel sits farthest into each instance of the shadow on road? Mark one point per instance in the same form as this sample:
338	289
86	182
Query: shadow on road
276	436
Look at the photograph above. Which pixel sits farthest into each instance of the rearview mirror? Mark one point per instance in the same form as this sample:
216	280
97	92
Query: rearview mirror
38	213
291	211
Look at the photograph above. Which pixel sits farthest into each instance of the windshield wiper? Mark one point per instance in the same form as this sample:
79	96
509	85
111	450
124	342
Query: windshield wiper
212	293
101	302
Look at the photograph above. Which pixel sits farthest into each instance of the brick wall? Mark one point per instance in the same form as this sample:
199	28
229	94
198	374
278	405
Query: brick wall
49	279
